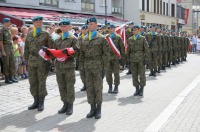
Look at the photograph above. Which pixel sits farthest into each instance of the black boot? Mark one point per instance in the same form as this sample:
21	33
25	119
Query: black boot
84	88
35	103
92	111
115	91
7	80
141	91
110	88
137	91
129	72
12	79
151	73
41	104
154	73
69	109
63	109
159	69
98	112
163	67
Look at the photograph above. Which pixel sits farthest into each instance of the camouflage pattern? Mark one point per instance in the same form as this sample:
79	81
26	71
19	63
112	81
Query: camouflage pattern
113	61
105	32
179	48
169	49
65	71
37	66
92	55
174	48
160	50
8	60
129	34
137	51
186	44
165	48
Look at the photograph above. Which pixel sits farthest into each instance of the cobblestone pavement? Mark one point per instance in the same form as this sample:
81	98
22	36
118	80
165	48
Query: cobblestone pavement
120	113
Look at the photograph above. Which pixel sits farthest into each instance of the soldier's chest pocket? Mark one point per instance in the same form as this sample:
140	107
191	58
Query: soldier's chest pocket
66	44
41	39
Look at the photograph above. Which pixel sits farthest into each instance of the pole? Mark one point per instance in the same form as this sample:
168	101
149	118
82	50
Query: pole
123	10
105	12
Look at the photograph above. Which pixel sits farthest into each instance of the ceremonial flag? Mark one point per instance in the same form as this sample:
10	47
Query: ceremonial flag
113	47
121	30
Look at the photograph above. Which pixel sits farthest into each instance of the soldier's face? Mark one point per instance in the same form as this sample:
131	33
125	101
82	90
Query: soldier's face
7	24
136	31
111	30
65	28
92	26
38	23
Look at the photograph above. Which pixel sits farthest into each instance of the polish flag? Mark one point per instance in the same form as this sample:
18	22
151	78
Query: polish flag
121	30
113	47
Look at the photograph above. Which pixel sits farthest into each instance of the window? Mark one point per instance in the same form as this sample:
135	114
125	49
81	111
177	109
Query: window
167	9
117	10
163	8
154	6
87	7
158	5
48	2
102	2
173	10
143	5
148	5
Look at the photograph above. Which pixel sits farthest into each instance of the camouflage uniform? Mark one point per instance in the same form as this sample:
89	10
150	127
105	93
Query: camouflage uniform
137	51
65	70
38	68
174	49
164	54
186	44
8	60
129	34
160	52
92	53
169	50
113	61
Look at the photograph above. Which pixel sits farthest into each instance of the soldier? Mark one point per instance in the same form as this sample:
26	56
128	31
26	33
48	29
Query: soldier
113	61
178	47
186	44
7	52
129	34
160	49
165	48
169	43
154	41
92	52
84	31
38	68
174	47
143	30
137	51
65	70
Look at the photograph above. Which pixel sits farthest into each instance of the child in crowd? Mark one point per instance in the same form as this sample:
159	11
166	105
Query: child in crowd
17	55
24	63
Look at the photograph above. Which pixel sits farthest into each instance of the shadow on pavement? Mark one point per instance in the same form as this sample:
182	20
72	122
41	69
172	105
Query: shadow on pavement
109	97
126	77
83	125
130	100
80	94
148	78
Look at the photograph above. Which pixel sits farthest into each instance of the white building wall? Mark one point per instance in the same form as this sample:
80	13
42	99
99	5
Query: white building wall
70	5
99	8
24	2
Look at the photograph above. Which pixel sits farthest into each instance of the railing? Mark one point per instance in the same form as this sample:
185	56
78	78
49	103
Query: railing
88	7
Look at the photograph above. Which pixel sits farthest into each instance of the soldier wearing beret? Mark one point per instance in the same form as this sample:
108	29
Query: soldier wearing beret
137	51
93	51
38	68
7	52
84	31
65	70
113	60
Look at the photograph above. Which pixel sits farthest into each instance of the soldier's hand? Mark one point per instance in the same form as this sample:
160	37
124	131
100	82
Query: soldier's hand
3	53
65	52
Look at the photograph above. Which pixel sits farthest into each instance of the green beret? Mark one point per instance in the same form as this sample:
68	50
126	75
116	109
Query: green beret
92	19
64	22
103	26
131	23
136	27
36	18
84	27
5	20
111	26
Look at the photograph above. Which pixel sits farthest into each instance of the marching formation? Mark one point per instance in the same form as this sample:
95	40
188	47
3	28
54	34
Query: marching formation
98	54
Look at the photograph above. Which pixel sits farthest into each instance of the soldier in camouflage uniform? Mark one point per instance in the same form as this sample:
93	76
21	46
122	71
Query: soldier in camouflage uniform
65	70
154	42
137	51
38	68
113	61
129	34
185	47
182	46
165	48
92	52
174	47
178	48
169	43
84	31
7	52
160	49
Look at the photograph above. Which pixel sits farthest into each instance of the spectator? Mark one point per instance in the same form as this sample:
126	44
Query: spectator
23	70
24	30
198	45
194	43
17	55
77	31
57	34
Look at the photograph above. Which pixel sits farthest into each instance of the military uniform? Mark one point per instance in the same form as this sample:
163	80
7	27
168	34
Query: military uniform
186	44
165	48
38	68
92	52
174	49
137	51
113	63
169	43
160	52
8	60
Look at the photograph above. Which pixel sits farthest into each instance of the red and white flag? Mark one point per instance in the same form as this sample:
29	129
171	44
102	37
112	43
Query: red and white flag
113	47
121	30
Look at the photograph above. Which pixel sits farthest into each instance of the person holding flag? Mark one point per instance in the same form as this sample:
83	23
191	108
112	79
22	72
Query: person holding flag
65	69
116	52
38	68
137	51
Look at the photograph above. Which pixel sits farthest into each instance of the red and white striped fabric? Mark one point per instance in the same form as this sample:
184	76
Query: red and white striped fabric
113	47
44	55
121	30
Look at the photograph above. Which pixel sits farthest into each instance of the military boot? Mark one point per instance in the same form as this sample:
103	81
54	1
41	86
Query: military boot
129	72
84	88
110	88
151	73
115	91
35	103
92	111
69	109
98	112
154	73
163	67
12	79
158	69
7	80
41	104
137	91
141	91
63	109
